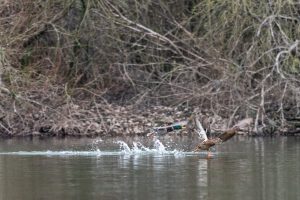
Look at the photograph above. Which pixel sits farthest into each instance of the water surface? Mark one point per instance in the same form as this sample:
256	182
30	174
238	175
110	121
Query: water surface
243	168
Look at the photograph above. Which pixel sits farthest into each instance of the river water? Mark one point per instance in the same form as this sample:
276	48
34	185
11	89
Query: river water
164	168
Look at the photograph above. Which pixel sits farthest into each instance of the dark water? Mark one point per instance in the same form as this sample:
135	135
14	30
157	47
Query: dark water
243	168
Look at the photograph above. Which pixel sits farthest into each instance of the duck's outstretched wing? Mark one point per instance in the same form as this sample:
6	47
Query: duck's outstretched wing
200	130
227	134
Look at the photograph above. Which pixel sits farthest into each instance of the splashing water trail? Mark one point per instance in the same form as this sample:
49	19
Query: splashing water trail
139	148
159	146
95	145
122	148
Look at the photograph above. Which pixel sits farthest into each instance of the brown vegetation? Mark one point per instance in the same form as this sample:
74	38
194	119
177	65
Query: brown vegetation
232	58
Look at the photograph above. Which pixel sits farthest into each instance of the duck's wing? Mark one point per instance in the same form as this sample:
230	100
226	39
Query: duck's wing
200	130
227	135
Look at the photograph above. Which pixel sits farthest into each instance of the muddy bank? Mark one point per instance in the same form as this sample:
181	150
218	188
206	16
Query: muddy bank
99	119
71	119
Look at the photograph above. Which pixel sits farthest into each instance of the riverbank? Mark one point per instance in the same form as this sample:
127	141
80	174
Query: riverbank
90	120
102	119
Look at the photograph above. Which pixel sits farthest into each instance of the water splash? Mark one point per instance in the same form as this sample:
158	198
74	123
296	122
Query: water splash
95	144
159	146
137	148
124	147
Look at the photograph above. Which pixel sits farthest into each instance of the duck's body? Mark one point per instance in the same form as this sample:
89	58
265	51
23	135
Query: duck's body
208	143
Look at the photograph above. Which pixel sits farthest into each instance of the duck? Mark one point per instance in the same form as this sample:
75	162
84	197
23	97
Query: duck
193	125
206	143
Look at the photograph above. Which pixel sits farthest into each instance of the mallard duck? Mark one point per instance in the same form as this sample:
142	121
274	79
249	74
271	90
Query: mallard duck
206	143
193	125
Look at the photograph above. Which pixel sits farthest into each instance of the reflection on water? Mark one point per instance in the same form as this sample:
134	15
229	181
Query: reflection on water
244	168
